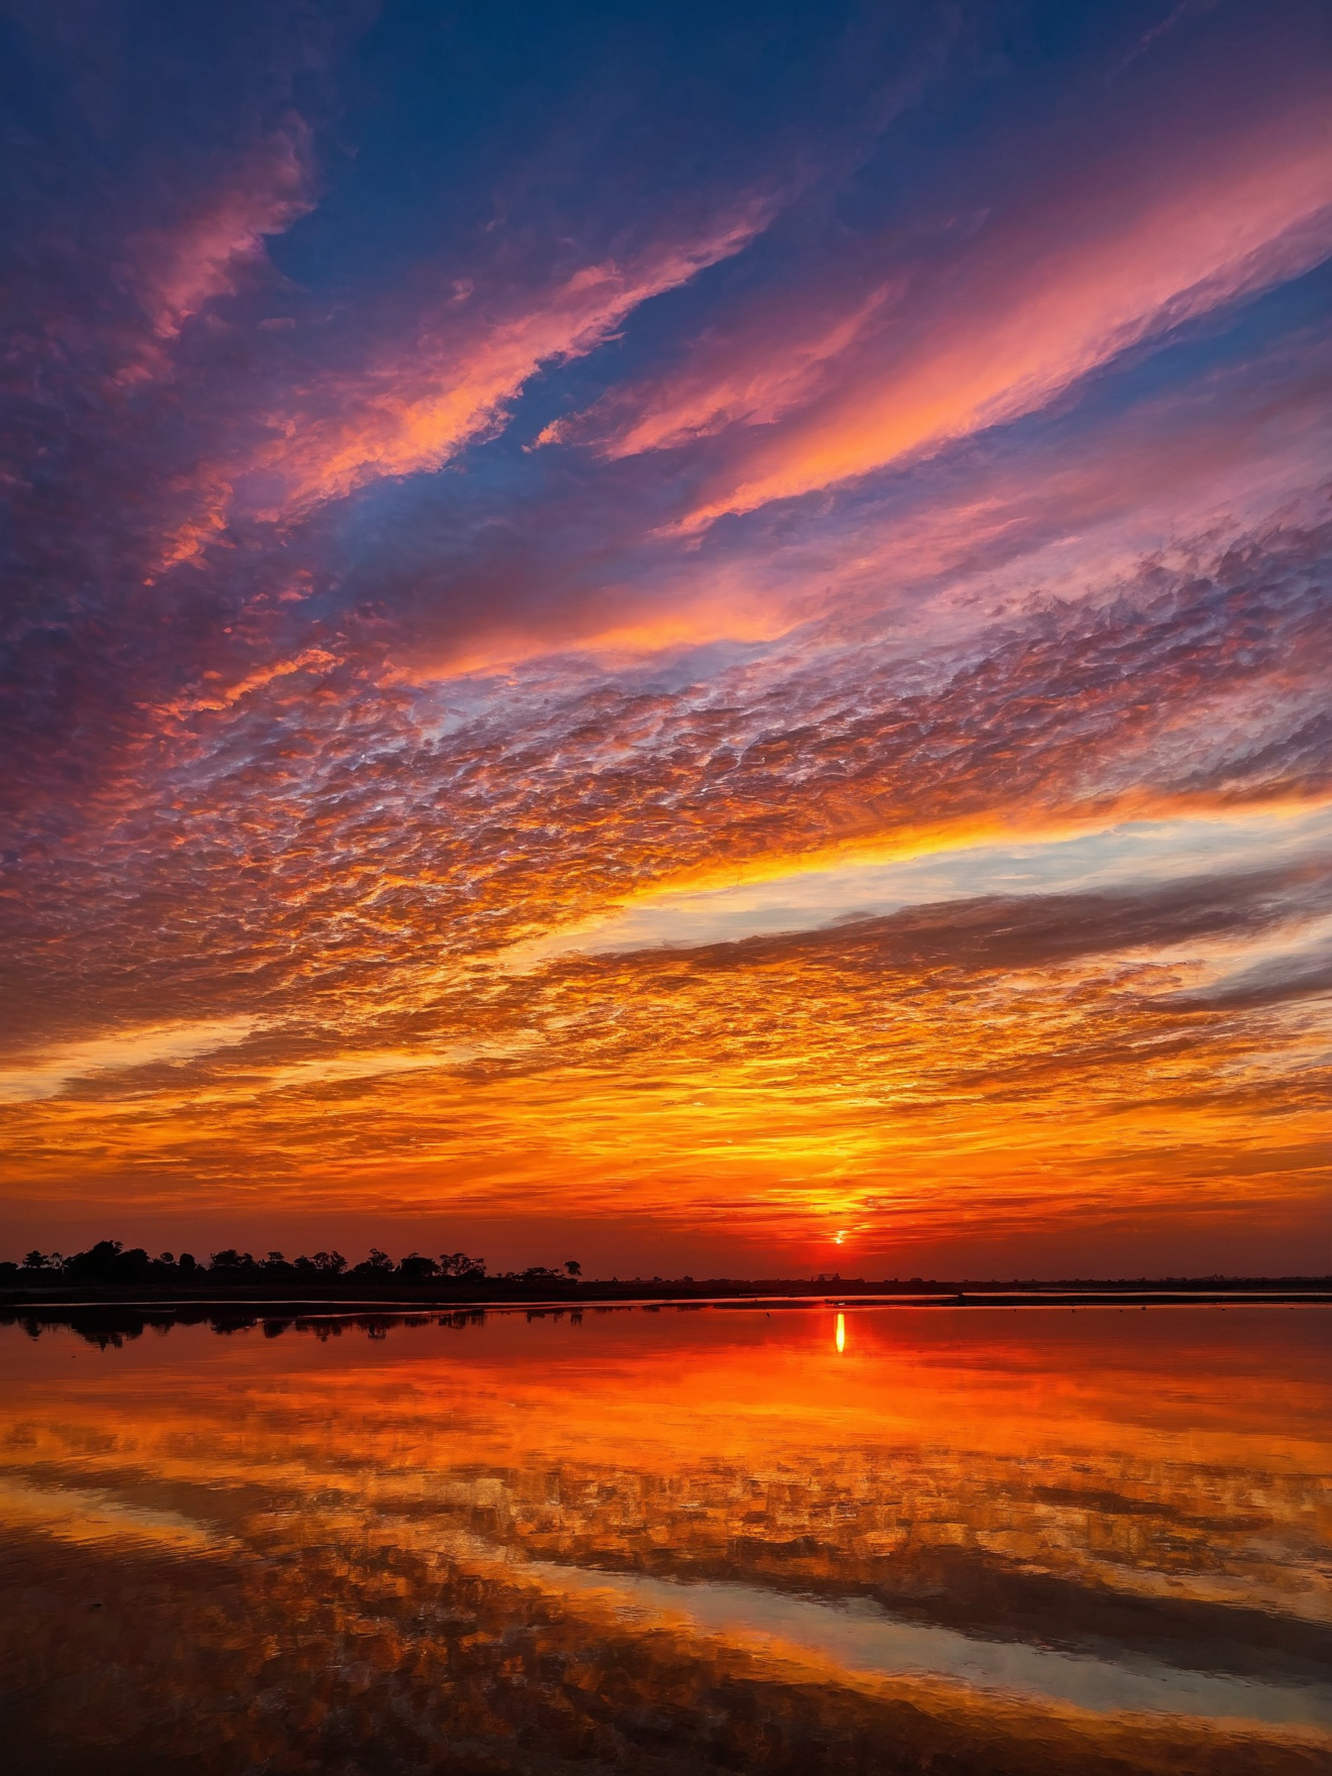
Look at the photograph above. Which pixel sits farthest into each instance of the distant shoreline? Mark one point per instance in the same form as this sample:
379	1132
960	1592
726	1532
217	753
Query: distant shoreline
338	1296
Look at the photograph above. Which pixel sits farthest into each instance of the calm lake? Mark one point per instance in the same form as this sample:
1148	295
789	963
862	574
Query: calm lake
670	1540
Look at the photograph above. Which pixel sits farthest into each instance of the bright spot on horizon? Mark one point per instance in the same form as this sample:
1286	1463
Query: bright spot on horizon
838	1238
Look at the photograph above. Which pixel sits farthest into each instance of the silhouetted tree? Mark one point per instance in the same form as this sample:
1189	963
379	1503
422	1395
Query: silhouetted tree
573	1267
376	1267
459	1265
233	1264
415	1269
96	1265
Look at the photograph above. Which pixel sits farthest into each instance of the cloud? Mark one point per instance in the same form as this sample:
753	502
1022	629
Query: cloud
456	365
728	383
180	269
350	1066
50	1072
983	328
1292	972
1036	864
330	829
1010	933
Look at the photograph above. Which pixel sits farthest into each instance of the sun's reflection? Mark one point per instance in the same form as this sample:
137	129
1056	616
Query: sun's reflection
841	1333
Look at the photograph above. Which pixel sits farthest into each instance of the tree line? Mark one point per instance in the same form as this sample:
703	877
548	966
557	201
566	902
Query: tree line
108	1261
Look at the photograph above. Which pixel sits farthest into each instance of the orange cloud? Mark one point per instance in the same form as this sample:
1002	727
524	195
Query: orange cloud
1051	1064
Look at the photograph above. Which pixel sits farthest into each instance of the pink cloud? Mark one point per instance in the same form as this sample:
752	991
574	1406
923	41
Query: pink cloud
180	269
1040	295
725	385
448	379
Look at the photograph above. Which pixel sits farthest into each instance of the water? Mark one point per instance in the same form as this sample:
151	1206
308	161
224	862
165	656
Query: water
672	1541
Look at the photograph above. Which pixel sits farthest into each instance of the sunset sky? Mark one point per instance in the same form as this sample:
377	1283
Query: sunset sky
695	636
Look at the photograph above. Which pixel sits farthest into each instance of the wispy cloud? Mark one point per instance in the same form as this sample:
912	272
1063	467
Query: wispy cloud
1038	863
456	365
179	269
984	331
53	1070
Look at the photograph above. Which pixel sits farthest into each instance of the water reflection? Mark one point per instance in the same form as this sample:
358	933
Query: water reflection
673	1541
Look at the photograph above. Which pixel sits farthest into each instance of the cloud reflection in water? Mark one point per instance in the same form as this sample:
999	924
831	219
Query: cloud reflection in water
678	1541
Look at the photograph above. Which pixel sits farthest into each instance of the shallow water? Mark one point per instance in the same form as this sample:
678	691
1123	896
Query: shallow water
670	1540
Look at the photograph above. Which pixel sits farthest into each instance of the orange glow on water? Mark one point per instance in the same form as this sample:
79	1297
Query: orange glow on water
590	1483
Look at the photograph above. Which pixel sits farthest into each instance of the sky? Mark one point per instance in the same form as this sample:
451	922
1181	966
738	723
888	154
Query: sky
693	636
